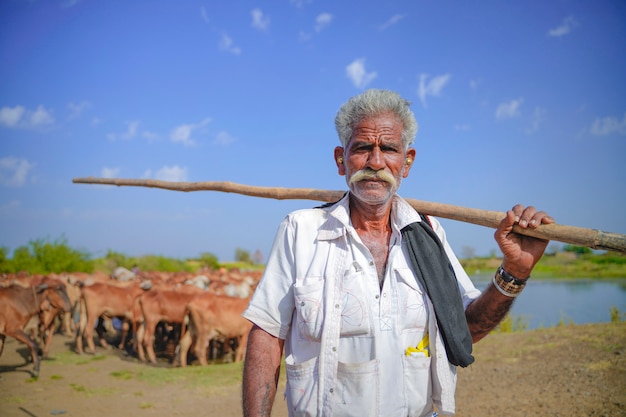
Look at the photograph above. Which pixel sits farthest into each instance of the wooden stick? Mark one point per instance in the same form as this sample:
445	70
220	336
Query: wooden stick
591	238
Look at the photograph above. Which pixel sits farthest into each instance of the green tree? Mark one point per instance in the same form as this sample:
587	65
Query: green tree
24	261
242	255
580	250
42	256
209	260
6	265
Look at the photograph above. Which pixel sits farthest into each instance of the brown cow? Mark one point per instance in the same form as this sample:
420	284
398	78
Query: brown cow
104	300
214	317
161	305
18	305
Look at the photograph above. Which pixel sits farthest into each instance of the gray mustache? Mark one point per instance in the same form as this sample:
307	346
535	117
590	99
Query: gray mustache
367	174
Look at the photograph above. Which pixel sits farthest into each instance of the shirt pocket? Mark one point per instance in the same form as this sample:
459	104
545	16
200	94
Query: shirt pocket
354	313
412	311
417	385
357	391
302	388
309	302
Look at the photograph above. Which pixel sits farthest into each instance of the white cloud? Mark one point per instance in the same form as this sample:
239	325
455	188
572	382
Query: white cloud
392	21
130	132
150	136
300	3
69	3
510	109
204	15
539	116
431	88
77	109
304	36
609	125
568	24
224	138
357	74
228	45
173	173
10	116
259	20
110	172
11	206
19	116
41	117
13	171
182	134
322	21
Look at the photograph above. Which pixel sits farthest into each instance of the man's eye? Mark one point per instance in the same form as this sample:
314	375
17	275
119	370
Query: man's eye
389	149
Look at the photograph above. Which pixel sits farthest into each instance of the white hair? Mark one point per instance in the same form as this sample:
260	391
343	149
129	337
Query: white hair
372	103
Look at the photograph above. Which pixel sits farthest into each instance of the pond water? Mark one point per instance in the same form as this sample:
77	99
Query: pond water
546	303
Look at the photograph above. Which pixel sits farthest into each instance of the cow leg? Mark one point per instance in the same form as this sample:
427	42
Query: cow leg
139	338
241	348
2	337
48	340
125	331
148	340
67	323
21	336
80	332
184	344
89	326
202	344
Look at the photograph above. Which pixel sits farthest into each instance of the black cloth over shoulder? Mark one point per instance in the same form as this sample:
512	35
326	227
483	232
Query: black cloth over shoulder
436	275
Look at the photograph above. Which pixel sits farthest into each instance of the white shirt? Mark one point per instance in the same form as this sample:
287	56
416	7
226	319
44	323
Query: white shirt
345	337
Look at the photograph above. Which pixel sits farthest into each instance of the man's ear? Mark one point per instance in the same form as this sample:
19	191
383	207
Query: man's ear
408	161
341	168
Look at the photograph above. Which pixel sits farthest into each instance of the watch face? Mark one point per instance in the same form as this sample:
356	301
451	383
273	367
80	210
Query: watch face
504	275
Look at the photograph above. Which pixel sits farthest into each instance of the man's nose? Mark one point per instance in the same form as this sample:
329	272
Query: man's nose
376	160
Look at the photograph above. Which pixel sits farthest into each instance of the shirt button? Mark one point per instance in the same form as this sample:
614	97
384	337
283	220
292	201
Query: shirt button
377	296
302	303
332	390
336	305
334	349
371	263
384	294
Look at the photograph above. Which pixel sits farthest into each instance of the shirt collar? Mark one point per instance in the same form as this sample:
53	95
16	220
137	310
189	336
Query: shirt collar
338	220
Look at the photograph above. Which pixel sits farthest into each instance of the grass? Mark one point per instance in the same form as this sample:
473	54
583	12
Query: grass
560	265
92	392
72	358
208	377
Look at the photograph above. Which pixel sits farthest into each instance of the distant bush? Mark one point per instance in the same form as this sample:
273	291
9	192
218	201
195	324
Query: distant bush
510	325
209	260
616	315
42	257
577	249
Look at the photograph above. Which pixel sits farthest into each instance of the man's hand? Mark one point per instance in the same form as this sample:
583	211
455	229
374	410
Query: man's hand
521	252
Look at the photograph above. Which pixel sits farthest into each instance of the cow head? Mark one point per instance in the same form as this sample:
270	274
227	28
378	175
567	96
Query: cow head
55	293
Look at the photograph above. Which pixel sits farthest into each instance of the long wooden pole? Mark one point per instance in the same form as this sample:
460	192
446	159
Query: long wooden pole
591	238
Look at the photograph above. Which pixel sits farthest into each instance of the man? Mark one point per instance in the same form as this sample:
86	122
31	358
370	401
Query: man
357	292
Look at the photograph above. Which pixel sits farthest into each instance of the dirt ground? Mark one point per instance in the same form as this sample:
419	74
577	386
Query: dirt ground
571	370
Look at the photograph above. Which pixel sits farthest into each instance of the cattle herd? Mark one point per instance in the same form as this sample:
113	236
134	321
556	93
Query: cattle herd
175	315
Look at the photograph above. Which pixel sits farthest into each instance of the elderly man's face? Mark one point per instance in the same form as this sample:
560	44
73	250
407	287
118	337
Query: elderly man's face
375	147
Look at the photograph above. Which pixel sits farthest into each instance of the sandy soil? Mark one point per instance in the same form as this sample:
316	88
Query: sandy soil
563	371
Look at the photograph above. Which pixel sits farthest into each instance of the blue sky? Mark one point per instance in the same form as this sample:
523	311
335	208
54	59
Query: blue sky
516	102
